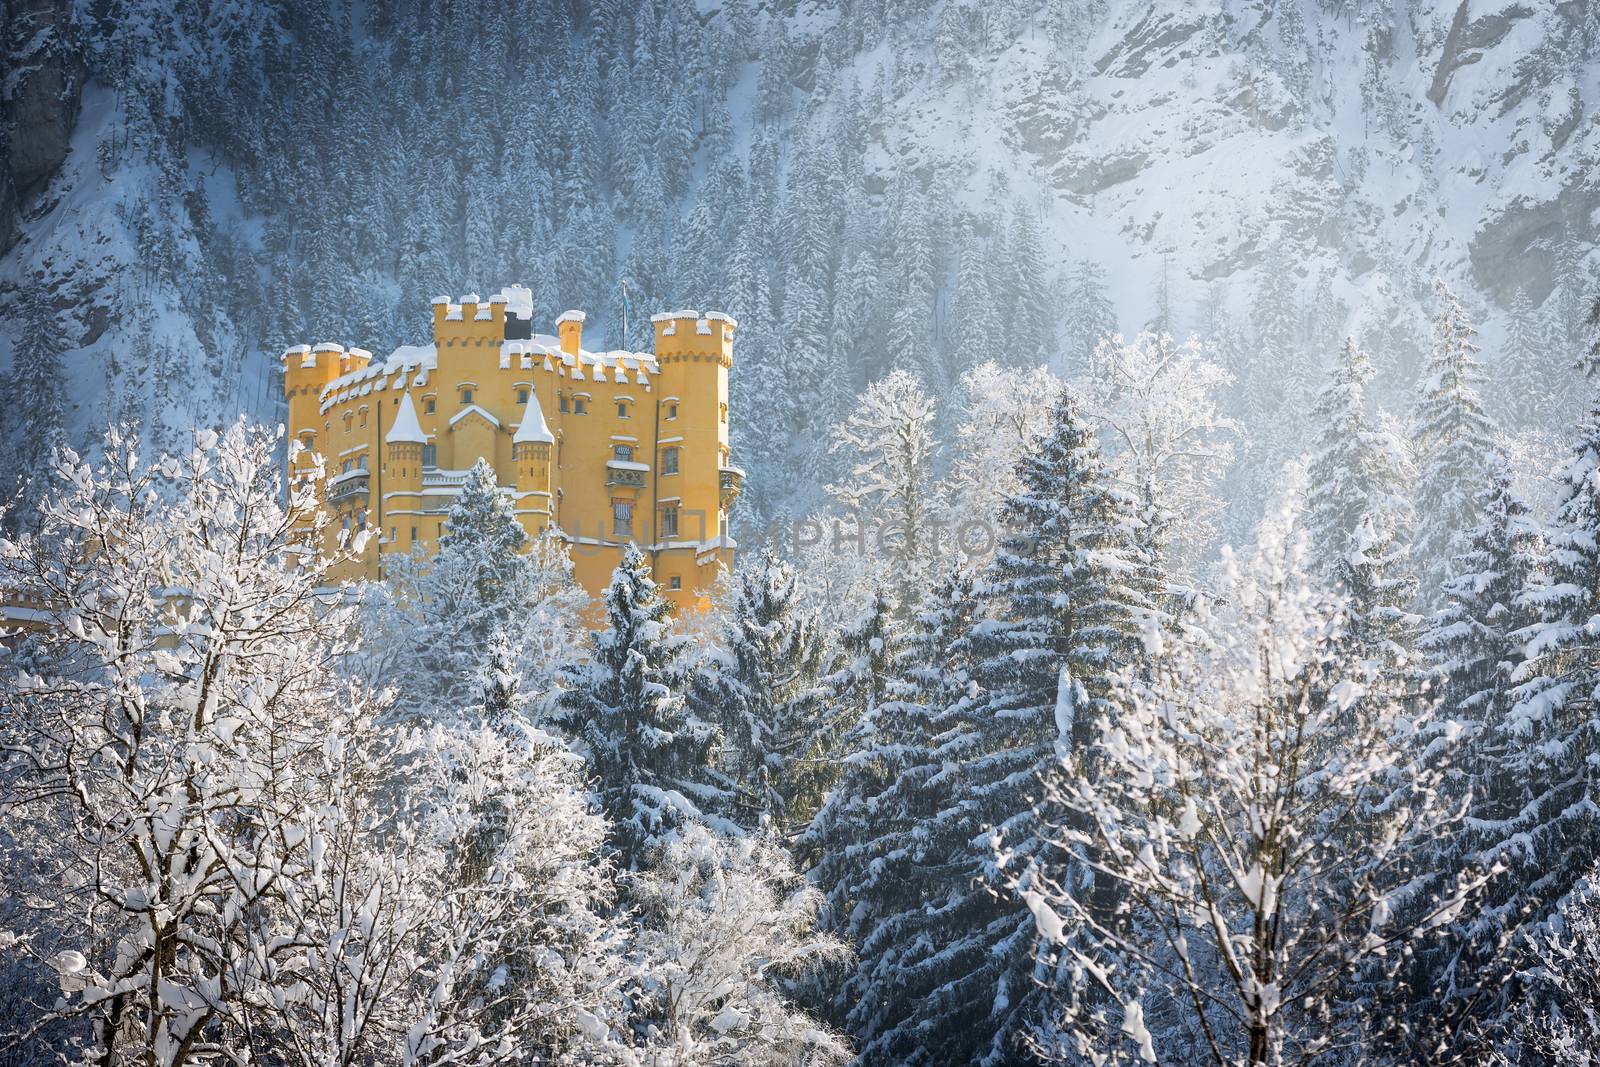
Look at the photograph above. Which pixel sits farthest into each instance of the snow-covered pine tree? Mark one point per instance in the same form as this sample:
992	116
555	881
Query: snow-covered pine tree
1090	317
972	326
1357	466
1260	821
1552	728
1474	646
648	752
763	687
882	853
1452	436
1002	410
1030	317
35	387
1065	597
1522	373
430	626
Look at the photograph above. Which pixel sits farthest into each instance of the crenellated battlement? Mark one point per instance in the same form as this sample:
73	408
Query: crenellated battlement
688	334
471	315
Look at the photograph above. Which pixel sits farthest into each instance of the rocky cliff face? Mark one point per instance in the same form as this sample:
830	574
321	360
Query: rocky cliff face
38	102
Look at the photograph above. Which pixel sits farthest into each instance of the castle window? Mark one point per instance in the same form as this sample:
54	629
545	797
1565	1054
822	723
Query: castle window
675	582
522	396
427	405
672	410
580	406
413	533
621	518
669	460
669	521
622	409
430	455
563	403
623	452
466	396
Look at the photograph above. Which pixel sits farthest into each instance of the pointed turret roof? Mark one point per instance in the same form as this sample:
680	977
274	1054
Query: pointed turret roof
406	428
533	427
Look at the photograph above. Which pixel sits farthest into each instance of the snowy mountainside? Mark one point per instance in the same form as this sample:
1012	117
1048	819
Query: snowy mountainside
861	183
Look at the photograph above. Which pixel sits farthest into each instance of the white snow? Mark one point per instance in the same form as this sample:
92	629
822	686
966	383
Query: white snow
406	426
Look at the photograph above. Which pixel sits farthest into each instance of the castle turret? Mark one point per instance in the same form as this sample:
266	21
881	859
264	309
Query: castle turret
403	444
530	452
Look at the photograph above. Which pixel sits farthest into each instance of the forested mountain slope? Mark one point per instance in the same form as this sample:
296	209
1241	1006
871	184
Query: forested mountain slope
191	186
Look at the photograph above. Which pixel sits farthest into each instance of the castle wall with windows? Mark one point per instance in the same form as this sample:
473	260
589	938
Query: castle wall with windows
610	447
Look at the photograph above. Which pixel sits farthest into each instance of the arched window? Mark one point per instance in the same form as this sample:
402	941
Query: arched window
623	452
430	455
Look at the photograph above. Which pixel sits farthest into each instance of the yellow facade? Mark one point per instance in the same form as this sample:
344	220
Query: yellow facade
611	447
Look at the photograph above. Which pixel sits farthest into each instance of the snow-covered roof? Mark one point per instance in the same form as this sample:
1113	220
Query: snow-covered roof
408	366
328	346
406	428
570	316
533	427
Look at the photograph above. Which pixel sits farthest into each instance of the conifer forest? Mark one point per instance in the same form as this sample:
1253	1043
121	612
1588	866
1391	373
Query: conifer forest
1161	464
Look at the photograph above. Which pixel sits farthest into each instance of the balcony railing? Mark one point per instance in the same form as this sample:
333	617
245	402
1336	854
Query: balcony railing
621	472
348	484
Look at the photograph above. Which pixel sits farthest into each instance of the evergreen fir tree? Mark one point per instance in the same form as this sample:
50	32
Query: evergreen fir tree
649	754
973	324
1357	468
1090	317
36	388
1461	986
763	687
1452	436
1552	728
1030	319
1066	605
1521	378
884	849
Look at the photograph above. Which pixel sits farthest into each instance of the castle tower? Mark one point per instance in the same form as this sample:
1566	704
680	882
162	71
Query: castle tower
402	471
530	452
306	371
695	479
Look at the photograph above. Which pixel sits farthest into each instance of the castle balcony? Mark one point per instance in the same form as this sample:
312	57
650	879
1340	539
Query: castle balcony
348	484
625	474
730	480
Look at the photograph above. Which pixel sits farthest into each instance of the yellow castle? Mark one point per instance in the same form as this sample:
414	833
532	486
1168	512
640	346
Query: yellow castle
609	447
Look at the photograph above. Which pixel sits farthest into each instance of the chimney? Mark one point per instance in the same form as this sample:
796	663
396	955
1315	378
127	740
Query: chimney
570	327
